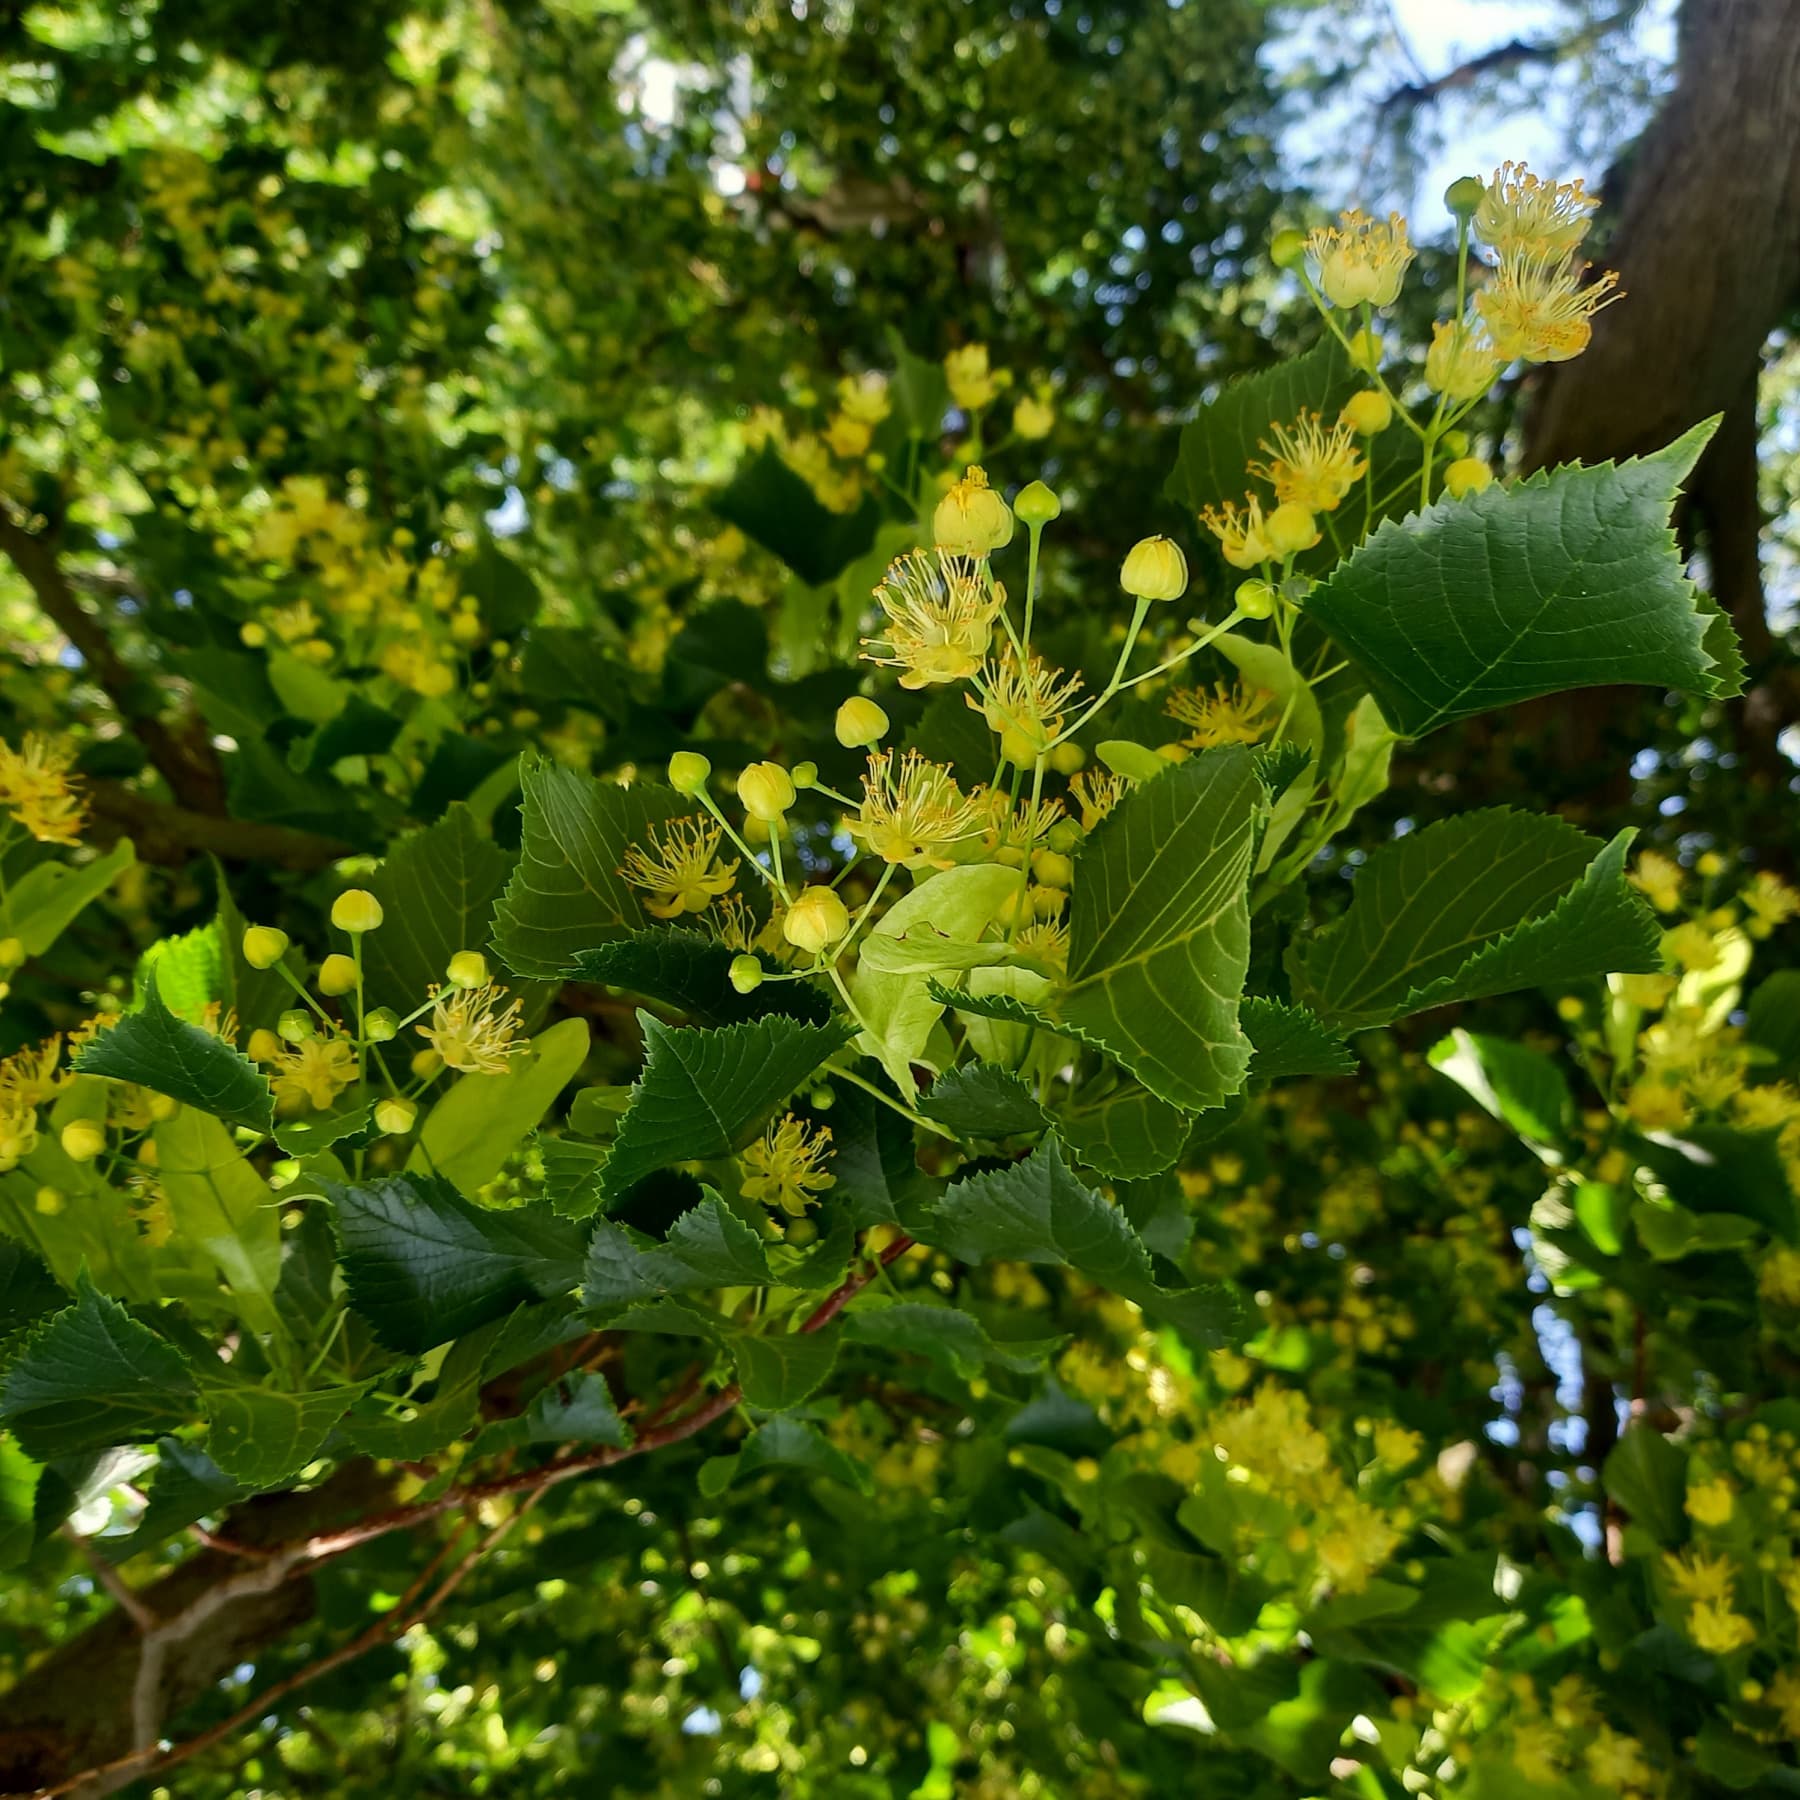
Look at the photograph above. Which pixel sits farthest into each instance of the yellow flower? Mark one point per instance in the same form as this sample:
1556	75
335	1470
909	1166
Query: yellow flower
971	519
785	1167
864	397
1243	540
417	666
29	1077
914	816
1697	1577
972	385
1097	792
1356	1546
1033	418
1717	1630
1783	1693
677	872
1537	1752
472	1032
1154	569
816	920
1692	946
1235	715
1361	260
1778	1281
1461	364
1310	466
1658	878
1537	308
36	789
312	1073
1709	1502
1024	707
940	613
762	428
1396	1446
847	437
1523	212
1770	902
1657	1105
1616	1762
1645	991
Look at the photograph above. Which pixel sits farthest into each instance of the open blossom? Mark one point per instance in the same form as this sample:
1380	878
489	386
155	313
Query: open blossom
914	814
36	788
1234	715
1310	465
1024	704
1361	260
940	617
312	1073
677	870
972	383
1522	211
1540	310
472	1031
1243	534
785	1167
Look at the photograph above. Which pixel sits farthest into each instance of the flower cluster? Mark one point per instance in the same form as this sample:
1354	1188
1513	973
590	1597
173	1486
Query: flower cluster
37	790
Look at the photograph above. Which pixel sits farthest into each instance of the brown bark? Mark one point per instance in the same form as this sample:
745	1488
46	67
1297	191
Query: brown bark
171	835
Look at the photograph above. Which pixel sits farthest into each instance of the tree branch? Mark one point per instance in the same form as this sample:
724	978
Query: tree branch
170	835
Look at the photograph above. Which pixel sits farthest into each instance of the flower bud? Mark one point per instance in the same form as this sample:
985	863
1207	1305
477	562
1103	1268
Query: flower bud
1467	475
766	791
468	969
396	1116
688	771
264	1046
805	774
48	1201
1369	413
1037	505
1255	598
1068	758
1065	836
284	1173
1459	365
382	1025
860	723
83	1139
425	1064
12	953
1052	869
252	635
821	1099
337	975
816	920
264	946
1287	249
1019	748
356	910
1456	443
1291	529
746	974
295	1025
1365	350
972	519
1154	569
1033	418
1464	195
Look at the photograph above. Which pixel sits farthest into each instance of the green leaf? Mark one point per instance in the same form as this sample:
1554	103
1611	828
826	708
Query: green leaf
190	971
476	1126
773	507
1126	1133
780	1369
1774	1021
313	1132
1036	1211
691	972
784	1442
1219	443
262	1437
1287	1040
423	1265
567	894
90	1377
508	592
46	900
575	1409
1520	1087
188	1486
1486	903
18	1504
159	1051
708	1246
982	1100
942	1334
708	1093
874	1161
1716	1169
574	1175
1159	932
224	1209
1647	1476
1570	579
27	1288
437	889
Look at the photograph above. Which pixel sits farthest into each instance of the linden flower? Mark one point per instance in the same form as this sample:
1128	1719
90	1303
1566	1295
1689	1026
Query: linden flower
1778	1280
1047	941
677	871
1658	878
1615	1762
29	1077
1461	364
1310	466
1361	261
1522	211
1537	1752
915	816
1024	706
1692	946
472	1032
1783	1693
971	519
312	1073
847	437
1717	1630
1710	1502
940	614
35	788
1243	541
1097	792
1700	1578
785	1167
972	383
1236	715
1538	309
1770	902
864	398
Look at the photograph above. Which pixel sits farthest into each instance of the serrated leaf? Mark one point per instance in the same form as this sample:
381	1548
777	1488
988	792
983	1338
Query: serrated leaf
1036	1211
155	1049
18	1504
1005	1008
874	1162
942	1334
262	1437
47	898
780	1369
28	1291
1569	579
423	1265
1219	443
708	1246
1486	903
90	1377
437	888
1159	930
783	1442
708	1093
575	1409
691	973
982	1100
566	895
1287	1040
1127	1133
574	1175
189	969
1519	1086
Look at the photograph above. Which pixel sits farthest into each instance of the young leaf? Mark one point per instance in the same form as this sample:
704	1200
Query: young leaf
1519	1086
689	971
159	1051
46	899
1569	580
780	1369
90	1377
424	1266
18	1504
1159	934
1482	904
708	1093
1037	1211
982	1100
1288	1040
567	894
